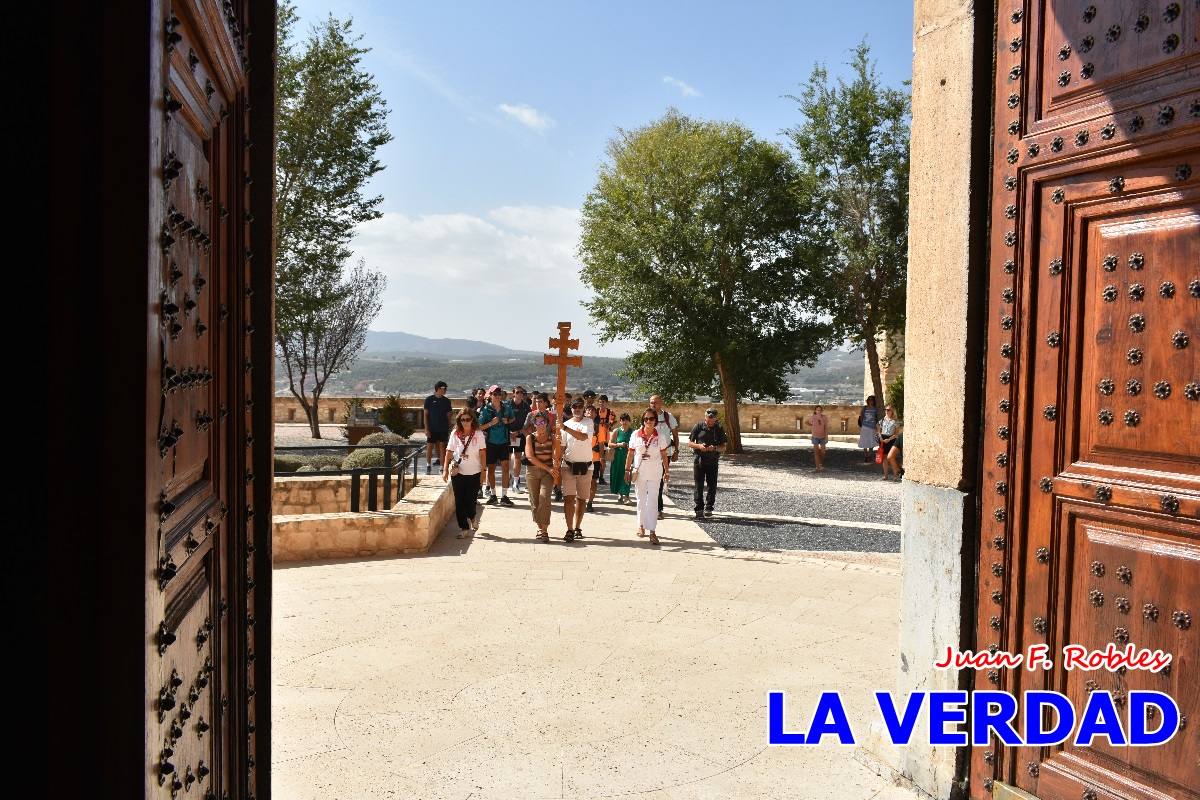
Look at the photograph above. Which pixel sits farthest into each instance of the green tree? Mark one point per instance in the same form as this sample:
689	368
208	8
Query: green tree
853	160
330	124
689	241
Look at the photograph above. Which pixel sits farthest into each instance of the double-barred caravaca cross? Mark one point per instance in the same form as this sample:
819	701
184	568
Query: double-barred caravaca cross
562	344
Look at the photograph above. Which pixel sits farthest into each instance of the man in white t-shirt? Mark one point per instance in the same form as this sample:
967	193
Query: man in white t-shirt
668	428
576	476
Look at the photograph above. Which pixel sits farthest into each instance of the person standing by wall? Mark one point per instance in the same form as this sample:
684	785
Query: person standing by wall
890	430
649	460
668	427
521	407
437	426
868	435
707	441
466	453
619	444
543	472
493	421
819	423
576	470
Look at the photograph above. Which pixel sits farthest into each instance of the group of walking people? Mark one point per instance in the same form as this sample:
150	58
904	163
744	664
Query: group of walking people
494	430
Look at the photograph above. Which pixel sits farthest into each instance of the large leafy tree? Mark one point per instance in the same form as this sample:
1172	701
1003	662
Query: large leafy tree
331	121
689	241
852	151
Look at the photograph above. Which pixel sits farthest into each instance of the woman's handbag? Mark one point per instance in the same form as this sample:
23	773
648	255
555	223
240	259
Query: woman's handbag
879	455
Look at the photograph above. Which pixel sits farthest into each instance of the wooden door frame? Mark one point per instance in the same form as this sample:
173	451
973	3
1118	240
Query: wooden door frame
100	129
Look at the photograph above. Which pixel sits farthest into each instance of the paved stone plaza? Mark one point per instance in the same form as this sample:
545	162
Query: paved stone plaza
501	668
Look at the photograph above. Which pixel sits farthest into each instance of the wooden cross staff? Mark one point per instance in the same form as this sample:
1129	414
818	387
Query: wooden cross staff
563	343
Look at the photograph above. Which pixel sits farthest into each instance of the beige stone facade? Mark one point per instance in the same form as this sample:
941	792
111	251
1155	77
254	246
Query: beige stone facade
754	417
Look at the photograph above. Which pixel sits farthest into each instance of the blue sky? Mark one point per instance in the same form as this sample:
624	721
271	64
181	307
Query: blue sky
501	112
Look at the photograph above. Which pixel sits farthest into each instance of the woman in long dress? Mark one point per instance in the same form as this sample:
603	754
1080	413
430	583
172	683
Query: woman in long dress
650	461
868	437
619	443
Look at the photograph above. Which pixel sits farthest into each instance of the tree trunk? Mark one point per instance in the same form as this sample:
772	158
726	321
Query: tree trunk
871	346
733	425
314	416
310	413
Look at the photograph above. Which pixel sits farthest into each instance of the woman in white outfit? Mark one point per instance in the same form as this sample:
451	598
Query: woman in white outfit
648	458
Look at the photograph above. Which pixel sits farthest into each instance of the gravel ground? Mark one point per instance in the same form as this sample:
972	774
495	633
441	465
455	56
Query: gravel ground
778	479
293	435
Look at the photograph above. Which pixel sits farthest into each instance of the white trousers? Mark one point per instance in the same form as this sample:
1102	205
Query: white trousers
646	490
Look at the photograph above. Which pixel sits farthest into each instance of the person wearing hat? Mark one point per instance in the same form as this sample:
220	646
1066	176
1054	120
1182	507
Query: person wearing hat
494	420
708	443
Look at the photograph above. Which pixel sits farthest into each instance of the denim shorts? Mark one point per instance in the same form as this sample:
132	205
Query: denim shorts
819	440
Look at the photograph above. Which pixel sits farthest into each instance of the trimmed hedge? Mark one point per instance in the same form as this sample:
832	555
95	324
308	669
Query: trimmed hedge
289	463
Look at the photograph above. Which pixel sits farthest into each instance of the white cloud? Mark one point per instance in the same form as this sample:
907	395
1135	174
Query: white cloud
506	276
528	116
686	89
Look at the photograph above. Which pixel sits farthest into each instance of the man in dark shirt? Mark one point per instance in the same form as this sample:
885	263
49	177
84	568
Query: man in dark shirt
707	442
437	425
521	407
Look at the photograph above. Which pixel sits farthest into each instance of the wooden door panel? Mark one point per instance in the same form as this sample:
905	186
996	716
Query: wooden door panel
1125	576
200	726
1111	55
1091	466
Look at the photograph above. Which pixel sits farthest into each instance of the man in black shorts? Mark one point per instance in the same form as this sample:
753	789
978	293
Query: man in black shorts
521	406
437	425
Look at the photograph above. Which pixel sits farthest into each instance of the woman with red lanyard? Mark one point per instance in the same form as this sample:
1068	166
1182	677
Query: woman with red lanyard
466	453
648	459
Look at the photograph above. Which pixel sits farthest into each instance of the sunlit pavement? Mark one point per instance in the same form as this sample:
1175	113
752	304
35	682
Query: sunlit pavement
502	668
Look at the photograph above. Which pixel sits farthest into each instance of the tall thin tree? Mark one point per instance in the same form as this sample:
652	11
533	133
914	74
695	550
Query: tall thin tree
331	121
852	150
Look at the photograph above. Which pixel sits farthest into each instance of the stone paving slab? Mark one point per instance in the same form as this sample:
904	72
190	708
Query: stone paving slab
497	667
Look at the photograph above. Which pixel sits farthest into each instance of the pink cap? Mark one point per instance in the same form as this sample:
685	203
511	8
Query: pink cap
495	387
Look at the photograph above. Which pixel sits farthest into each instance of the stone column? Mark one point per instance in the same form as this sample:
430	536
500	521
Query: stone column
951	92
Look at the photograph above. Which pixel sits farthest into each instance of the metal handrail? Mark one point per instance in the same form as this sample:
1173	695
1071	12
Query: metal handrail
412	455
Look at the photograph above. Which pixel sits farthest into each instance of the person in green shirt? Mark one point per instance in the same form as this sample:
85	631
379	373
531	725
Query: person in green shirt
494	420
619	442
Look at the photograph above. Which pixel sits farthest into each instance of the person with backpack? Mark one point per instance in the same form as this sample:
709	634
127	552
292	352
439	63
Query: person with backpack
494	420
521	407
543	472
668	428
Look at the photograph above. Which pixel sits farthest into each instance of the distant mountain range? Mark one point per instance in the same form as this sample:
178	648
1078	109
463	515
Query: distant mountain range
414	346
411	364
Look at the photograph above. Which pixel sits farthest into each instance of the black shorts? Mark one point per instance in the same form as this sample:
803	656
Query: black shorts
519	447
437	436
498	453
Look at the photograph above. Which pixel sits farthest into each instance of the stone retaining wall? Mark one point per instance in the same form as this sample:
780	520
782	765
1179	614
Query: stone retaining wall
755	417
410	527
314	494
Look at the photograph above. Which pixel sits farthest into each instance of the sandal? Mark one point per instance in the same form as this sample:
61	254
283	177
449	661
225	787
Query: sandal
579	533
641	531
653	538
570	536
543	536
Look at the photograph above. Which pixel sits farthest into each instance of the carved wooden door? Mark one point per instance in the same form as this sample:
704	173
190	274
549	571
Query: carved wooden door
1091	448
201	598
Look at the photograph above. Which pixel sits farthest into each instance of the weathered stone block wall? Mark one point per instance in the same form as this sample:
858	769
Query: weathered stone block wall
754	417
411	526
313	494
